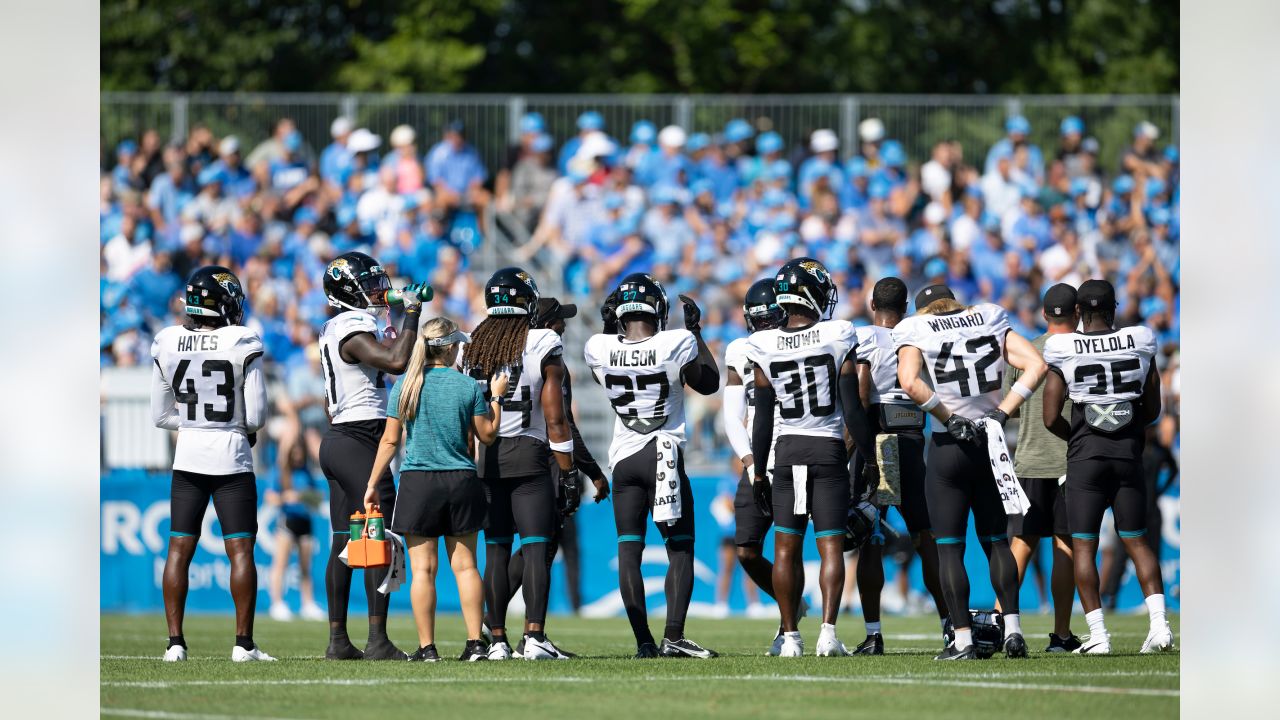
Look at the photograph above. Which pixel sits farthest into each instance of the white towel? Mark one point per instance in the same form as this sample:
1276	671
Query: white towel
395	572
667	506
800	488
1011	494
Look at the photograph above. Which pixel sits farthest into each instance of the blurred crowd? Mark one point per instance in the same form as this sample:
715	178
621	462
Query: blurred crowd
707	213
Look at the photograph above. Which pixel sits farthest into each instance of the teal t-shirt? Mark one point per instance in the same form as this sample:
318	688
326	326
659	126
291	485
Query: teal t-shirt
436	438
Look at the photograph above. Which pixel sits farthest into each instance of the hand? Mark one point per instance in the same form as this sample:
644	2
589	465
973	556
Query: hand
998	415
762	492
498	384
602	489
253	439
608	313
570	494
871	474
410	299
692	315
748	464
371	498
962	428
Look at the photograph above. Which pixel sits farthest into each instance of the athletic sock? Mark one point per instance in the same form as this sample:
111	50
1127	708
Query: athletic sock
1155	608
537	635
245	641
827	629
964	638
377	628
1012	624
873	628
176	640
942	622
1097	628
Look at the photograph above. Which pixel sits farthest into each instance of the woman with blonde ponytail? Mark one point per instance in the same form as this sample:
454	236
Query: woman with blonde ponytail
436	410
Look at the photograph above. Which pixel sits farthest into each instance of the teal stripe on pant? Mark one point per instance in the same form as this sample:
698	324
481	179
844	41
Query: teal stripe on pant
943	540
533	539
827	533
789	531
237	536
678	538
1085	536
173	534
630	538
1133	533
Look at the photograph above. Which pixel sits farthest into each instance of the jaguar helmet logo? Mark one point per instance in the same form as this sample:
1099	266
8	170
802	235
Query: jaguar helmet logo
814	268
227	281
338	268
528	280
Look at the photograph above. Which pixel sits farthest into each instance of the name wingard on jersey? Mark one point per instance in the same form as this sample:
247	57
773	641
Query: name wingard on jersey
938	323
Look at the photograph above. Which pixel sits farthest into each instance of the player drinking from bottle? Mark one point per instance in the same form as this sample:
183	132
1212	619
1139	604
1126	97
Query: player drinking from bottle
207	385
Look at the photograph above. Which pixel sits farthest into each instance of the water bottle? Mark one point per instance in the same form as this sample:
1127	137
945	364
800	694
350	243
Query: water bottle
395	297
376	525
357	526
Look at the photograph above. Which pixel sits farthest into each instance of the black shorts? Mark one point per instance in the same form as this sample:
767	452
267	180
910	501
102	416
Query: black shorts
1048	513
347	452
958	479
828	500
235	500
525	505
634	483
914	508
1096	484
438	503
751	526
299	526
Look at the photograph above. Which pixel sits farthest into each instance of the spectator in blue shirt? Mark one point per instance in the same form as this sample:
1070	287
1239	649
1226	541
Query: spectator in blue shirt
821	168
670	166
335	158
170	192
455	172
856	181
1017	129
893	163
154	287
588	122
290	169
237	180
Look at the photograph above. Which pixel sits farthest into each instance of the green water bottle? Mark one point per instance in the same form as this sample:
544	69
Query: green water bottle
357	525
377	526
425	293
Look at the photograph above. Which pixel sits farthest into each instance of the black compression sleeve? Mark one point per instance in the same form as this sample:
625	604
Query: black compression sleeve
702	374
762	426
582	458
855	417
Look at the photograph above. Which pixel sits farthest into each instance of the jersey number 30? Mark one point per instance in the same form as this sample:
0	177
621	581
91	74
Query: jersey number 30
800	384
184	389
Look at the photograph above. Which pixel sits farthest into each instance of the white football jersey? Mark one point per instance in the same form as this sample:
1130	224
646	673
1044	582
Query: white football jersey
199	388
876	351
963	354
735	356
1103	368
643	380
353	391
522	407
803	365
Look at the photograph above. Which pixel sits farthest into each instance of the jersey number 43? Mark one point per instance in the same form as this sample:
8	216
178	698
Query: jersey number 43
184	389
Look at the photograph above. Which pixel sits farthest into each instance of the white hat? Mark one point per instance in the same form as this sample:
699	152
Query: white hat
672	136
1148	130
823	140
230	144
402	135
341	126
934	213
362	140
935	179
871	130
596	144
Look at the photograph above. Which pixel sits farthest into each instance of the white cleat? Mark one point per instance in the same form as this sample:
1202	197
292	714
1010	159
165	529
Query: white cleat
176	653
534	650
500	650
792	645
828	644
1100	645
775	649
280	612
313	611
239	654
1159	639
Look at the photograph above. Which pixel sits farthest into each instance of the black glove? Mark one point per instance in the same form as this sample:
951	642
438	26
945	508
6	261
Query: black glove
570	494
609	314
253	439
871	476
692	315
998	415
762	492
962	428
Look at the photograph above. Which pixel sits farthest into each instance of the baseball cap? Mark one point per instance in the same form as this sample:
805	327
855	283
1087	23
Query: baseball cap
126	147
1079	186
210	175
341	125
1017	124
892	154
542	143
643	132
402	135
871	130
1147	130
1122	185
550	309
737	130
293	141
935	267
823	140
697	141
932	293
934	213
878	189
1090	145
230	144
532	123
769	142
456	126
856	167
1071	125
362	140
1060	301
1096	295
590	120
672	136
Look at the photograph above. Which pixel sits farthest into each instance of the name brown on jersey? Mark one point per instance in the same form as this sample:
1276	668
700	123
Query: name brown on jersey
798	340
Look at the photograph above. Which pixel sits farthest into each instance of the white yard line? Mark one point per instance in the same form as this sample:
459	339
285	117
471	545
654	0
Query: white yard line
165	715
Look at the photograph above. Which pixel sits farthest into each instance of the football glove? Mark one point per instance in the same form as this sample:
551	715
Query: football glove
962	428
692	314
609	314
253	439
762	493
570	494
863	524
871	475
998	415
410	299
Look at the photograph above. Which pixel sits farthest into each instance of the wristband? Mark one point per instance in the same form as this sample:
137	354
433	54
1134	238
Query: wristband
931	403
1022	390
564	447
751	472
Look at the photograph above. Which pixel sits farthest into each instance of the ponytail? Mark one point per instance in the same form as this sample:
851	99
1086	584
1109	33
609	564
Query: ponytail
415	374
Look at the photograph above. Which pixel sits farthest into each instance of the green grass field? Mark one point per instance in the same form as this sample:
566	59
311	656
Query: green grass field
606	683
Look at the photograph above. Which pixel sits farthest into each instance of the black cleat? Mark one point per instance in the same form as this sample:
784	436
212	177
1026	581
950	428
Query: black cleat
342	650
475	651
425	654
383	649
1015	646
951	653
684	647
1067	644
948	633
646	650
873	645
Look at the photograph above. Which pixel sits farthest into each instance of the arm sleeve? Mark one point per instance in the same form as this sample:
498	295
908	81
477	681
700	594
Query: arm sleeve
762	427
163	411
735	414
582	457
855	417
255	395
701	373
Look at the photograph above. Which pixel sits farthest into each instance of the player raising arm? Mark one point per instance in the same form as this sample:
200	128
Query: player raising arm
644	369
805	373
207	384
966	349
1111	378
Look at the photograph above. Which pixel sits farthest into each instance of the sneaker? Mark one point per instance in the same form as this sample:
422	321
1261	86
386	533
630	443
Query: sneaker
792	645
534	649
828	644
474	651
1159	639
1100	645
646	650
948	633
560	653
425	654
873	645
280	612
1015	646
383	649
312	611
776	647
175	653
499	650
239	654
342	650
684	647
1059	644
485	633
951	653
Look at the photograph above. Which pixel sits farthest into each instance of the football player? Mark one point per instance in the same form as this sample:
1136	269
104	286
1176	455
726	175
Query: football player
515	470
355	361
965	350
1111	378
208	386
890	410
644	368
805	374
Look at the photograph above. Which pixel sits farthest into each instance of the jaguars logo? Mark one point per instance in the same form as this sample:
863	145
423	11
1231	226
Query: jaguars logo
228	282
528	279
814	268
338	268
662	476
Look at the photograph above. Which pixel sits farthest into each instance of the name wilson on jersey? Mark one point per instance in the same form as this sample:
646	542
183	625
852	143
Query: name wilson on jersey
939	323
799	340
633	358
1106	344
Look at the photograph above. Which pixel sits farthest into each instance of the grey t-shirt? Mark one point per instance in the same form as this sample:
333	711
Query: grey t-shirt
1040	453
